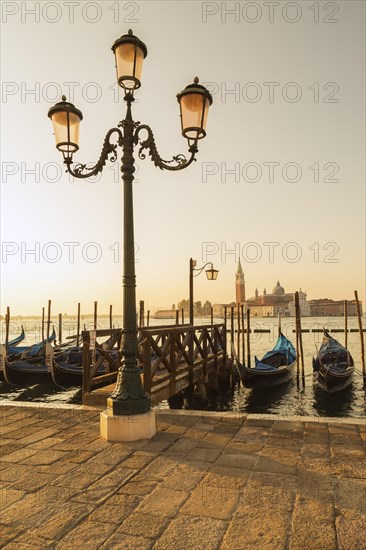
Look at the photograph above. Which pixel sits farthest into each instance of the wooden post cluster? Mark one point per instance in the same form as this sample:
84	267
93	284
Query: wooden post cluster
299	347
358	305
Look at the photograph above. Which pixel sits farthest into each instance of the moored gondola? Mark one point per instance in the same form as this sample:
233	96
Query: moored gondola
23	373
16	341
333	366
276	366
22	352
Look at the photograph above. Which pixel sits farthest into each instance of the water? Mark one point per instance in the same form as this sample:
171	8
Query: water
285	400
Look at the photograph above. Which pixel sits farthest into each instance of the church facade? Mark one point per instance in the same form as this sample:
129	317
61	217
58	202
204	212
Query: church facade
278	302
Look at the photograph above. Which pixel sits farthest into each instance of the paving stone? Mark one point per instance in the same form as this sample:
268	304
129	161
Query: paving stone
163	502
187	532
6	534
40	458
19	455
143	525
27	542
350	495
111	455
62	521
355	469
312	525
185	477
8	496
139	459
140	486
237	460
110	514
105	486
205	454
215	497
46	443
277	465
351	533
89	534
123	500
126	542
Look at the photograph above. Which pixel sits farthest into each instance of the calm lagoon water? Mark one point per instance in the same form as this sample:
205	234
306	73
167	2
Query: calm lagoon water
285	400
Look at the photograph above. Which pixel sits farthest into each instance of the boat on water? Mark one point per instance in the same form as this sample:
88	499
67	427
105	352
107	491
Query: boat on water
333	367
16	341
21	352
275	367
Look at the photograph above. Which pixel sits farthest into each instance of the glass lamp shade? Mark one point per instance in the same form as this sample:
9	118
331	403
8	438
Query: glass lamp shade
130	53
212	273
194	102
66	121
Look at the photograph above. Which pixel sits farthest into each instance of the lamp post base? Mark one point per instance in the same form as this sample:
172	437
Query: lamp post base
128	407
127	428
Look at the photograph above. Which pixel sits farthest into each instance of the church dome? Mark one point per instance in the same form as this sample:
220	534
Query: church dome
278	289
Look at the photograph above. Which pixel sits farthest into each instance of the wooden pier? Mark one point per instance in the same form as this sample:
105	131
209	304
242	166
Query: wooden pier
171	359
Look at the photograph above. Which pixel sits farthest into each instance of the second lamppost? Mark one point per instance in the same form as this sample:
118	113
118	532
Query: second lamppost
129	398
211	275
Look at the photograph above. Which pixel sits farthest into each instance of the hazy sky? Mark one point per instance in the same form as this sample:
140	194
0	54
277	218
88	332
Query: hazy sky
279	180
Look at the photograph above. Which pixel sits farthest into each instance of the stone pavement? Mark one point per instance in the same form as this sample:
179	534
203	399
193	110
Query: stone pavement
205	481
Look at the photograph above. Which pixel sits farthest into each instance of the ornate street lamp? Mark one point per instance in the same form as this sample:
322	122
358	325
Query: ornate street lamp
211	275
129	397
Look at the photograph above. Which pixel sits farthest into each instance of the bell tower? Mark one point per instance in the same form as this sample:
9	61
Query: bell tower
240	285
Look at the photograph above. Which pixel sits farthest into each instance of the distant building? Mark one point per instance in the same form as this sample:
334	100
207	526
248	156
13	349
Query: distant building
164	314
278	302
240	285
326	307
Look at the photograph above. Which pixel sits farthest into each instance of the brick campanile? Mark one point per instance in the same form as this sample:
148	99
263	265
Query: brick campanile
240	285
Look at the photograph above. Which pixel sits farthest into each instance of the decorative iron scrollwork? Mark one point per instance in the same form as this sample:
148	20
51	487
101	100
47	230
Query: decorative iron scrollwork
149	144
109	150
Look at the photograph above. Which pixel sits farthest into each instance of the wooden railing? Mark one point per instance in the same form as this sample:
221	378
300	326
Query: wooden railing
166	354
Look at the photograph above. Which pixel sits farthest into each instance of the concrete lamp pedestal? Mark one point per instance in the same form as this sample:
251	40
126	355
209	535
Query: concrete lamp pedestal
127	428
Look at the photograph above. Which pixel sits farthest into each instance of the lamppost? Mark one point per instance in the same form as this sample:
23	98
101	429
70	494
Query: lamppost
211	275
129	397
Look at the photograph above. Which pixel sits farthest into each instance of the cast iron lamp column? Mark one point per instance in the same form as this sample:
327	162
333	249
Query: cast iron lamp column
129	398
211	274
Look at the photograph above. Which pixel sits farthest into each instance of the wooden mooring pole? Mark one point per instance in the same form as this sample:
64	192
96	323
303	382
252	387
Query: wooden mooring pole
7	326
238	333
110	317
48	318
248	337
243	333
345	325
42	326
177	316
297	339
95	315
358	305
299	331
225	330
142	314
148	318
60	328
182	316
78	327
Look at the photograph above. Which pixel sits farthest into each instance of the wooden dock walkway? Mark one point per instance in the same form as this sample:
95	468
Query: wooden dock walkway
172	359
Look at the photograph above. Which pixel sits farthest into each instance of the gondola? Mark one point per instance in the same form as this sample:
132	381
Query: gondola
24	373
18	339
276	366
333	366
66	368
34	350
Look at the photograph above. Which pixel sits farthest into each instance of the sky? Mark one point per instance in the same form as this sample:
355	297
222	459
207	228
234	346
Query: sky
279	181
